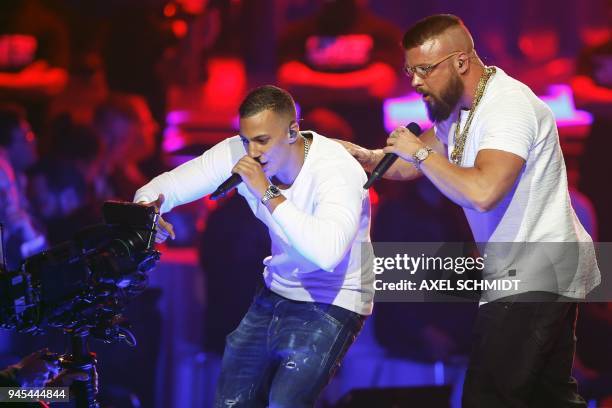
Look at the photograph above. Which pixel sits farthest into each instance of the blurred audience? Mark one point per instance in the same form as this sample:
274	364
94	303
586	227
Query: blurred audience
127	131
58	193
17	153
77	144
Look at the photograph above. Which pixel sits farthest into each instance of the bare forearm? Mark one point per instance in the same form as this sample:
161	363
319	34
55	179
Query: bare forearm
369	159
401	170
467	187
404	170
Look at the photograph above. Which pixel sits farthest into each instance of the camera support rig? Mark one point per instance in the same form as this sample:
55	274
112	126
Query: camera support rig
83	286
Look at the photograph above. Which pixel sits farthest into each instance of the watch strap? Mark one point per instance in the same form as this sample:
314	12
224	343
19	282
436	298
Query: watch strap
418	161
271	192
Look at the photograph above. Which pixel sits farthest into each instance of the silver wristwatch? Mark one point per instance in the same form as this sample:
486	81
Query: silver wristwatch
271	192
420	155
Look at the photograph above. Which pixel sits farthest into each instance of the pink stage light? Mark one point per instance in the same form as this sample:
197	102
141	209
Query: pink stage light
401	111
560	99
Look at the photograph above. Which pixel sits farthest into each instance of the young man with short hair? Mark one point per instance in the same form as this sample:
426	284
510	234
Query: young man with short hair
318	284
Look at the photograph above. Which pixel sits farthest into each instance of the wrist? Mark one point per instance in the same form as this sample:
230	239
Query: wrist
260	188
420	155
271	192
419	145
374	157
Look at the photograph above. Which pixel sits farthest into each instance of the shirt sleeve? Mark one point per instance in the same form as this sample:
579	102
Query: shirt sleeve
509	124
191	180
325	236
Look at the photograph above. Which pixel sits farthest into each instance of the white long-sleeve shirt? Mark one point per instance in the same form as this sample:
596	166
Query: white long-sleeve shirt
321	249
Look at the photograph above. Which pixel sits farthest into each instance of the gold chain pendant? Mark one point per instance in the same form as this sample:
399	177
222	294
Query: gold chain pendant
459	139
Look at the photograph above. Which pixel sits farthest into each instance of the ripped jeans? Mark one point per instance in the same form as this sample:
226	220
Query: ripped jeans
284	352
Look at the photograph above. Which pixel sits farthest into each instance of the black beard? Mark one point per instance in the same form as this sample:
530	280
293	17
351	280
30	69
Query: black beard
439	109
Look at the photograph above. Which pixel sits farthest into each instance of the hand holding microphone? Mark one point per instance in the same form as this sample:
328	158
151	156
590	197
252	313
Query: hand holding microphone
389	158
249	170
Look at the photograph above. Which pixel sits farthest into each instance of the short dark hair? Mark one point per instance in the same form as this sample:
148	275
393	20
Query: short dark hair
428	28
267	97
10	119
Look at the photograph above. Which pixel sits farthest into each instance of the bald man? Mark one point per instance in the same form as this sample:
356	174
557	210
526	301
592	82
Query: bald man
494	150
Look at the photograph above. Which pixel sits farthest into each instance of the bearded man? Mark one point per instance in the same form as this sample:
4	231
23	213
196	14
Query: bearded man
494	150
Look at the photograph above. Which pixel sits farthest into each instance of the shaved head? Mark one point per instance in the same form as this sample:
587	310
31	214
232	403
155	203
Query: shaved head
441	30
442	63
457	38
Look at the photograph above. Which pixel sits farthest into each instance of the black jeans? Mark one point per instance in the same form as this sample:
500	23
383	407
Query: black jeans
522	356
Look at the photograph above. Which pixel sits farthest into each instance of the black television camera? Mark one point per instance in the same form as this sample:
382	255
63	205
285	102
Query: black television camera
84	284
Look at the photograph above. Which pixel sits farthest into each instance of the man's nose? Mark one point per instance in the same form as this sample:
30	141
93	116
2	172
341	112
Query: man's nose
253	151
416	81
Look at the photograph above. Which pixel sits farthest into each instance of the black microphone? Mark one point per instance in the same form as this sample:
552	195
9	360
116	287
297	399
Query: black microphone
225	187
389	159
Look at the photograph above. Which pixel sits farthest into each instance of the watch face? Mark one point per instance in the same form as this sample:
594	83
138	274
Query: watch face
274	190
422	154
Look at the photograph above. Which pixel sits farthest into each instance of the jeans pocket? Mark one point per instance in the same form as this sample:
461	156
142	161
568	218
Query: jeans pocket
324	311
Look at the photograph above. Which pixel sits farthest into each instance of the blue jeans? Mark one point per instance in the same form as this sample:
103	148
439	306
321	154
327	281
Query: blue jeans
284	352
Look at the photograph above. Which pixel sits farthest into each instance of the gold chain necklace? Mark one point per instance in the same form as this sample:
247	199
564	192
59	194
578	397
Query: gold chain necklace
459	140
306	146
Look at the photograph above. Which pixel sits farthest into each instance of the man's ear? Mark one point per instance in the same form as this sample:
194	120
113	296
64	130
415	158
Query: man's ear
294	132
462	63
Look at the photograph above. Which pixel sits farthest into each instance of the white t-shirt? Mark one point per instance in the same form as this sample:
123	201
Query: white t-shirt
321	249
511	118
